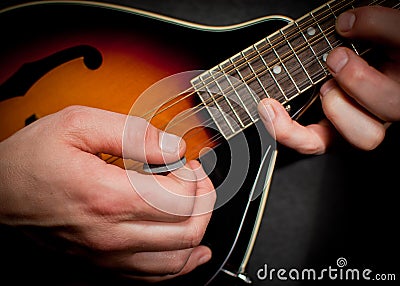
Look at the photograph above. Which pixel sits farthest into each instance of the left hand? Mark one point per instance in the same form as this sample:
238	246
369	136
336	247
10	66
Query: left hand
360	100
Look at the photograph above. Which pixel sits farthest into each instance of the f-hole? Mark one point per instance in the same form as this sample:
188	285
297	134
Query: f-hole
29	73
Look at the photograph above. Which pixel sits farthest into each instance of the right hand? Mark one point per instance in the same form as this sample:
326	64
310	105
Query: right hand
54	187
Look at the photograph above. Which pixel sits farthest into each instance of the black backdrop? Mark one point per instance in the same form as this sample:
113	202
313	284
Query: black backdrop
320	208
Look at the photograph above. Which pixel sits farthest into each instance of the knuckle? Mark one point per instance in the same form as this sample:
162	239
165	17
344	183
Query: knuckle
356	71
151	132
144	131
74	117
144	136
355	75
107	205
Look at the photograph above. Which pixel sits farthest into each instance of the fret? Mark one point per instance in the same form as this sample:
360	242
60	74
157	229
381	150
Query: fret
265	74
220	100
238	94
340	10
339	6
272	83
281	73
229	101
223	89
280	66
314	36
330	9
215	113
217	109
390	3
247	97
321	28
269	61
367	2
255	84
245	74
321	45
354	48
312	62
259	81
361	47
295	66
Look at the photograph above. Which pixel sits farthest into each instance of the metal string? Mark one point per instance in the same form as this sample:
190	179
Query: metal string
285	57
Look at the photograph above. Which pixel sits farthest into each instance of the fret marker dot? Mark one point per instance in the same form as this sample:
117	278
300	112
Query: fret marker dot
311	31
324	57
277	69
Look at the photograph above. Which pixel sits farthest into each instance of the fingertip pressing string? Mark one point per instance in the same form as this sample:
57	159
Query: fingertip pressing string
271	45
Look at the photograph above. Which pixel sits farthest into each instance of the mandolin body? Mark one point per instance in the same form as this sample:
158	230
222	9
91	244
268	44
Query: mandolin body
47	65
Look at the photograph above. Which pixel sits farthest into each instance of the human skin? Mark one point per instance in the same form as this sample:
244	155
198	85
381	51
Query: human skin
360	101
54	187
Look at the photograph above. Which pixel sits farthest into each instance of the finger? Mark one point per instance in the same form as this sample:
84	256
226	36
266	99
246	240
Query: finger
205	193
127	221
376	24
150	235
370	88
152	229
183	193
173	196
356	125
155	267
94	130
313	139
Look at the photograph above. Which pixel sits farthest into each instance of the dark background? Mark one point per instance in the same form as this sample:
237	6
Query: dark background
320	208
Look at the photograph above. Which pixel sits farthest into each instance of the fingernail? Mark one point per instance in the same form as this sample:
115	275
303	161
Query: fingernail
345	21
169	143
327	87
204	259
267	112
337	59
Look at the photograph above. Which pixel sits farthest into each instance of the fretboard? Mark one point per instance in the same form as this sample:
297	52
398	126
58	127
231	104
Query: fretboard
280	66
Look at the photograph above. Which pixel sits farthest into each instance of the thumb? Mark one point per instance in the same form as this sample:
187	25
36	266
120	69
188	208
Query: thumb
94	130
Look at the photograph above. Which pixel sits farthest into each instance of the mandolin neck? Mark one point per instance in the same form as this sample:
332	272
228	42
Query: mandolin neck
281	66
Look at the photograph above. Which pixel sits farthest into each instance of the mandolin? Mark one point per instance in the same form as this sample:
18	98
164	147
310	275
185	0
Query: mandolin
202	83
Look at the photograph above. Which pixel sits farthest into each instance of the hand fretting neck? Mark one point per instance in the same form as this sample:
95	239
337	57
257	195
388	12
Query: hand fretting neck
280	66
